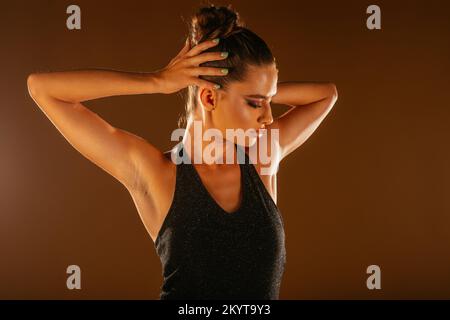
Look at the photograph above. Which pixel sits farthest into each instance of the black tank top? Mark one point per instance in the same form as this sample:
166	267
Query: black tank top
208	253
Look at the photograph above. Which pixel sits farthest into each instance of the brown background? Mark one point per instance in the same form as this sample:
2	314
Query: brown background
369	187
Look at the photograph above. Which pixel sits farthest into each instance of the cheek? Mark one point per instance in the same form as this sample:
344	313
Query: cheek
236	114
242	115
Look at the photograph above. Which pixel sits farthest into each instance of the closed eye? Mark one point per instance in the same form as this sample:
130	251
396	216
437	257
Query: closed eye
253	105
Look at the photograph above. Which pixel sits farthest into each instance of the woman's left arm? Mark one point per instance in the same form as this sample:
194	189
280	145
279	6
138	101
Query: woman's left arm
310	103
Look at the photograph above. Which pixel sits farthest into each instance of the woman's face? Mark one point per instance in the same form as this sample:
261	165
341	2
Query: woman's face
244	104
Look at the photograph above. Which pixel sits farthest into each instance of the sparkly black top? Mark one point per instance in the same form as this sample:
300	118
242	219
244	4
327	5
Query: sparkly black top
208	253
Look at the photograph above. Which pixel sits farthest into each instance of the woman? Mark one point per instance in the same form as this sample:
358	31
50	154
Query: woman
216	227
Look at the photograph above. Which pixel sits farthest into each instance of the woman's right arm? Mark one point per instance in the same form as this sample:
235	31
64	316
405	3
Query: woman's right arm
118	152
59	96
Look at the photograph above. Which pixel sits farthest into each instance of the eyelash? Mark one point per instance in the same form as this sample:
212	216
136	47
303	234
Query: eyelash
251	104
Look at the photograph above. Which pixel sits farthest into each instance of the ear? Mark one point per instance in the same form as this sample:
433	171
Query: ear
208	98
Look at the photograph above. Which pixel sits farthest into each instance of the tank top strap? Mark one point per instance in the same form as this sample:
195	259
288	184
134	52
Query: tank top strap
254	181
189	186
183	174
186	174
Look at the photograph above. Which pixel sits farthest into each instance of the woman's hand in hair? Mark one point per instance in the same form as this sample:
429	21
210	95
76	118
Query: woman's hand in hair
184	70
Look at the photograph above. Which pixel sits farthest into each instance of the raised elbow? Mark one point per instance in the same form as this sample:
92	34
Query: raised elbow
32	83
334	92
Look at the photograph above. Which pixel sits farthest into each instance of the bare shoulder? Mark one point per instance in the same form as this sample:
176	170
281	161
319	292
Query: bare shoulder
265	154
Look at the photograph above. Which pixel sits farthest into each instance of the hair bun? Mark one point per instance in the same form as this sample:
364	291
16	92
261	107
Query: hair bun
214	22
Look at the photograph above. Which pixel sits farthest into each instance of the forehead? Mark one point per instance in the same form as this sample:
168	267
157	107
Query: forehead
259	80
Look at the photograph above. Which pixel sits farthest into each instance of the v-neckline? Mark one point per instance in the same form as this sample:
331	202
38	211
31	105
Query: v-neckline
242	195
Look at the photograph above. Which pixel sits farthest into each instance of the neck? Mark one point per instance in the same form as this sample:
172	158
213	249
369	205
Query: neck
210	152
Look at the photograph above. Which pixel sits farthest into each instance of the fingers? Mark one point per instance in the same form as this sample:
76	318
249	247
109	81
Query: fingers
191	60
207	56
200	47
209	71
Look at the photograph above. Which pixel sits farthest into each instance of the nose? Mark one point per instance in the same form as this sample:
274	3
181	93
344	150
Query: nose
266	117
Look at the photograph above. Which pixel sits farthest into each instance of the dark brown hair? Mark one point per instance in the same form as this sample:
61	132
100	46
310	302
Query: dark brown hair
244	47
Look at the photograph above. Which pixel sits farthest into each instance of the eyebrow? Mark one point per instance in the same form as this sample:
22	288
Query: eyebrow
258	96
